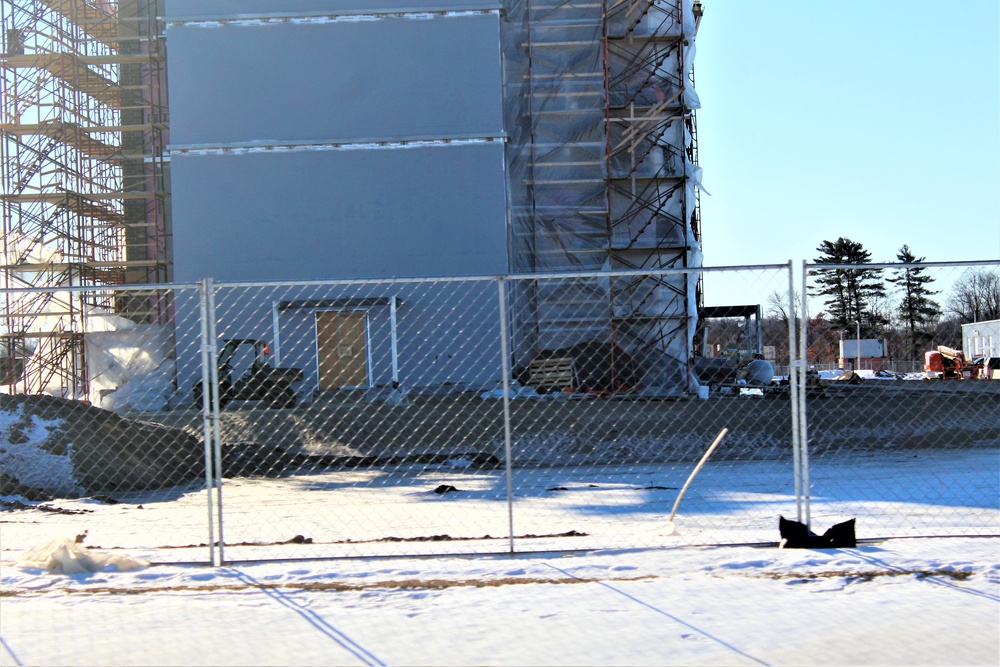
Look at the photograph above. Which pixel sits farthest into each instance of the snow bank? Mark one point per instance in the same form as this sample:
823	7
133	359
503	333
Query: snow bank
67	448
27	455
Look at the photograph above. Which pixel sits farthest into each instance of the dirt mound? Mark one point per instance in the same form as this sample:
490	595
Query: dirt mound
69	448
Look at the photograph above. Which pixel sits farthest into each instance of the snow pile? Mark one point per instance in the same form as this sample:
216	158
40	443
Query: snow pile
515	390
66	448
27	455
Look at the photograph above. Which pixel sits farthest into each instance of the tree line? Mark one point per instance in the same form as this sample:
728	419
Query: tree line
898	305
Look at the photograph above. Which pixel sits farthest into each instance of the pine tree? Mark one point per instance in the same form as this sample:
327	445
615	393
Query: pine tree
850	291
916	309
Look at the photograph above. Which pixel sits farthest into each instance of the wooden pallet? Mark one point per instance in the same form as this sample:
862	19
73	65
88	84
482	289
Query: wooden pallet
552	374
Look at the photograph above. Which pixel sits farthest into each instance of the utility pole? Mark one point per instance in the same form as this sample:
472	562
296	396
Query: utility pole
857	351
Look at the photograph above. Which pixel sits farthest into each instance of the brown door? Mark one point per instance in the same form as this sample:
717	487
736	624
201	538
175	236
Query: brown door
341	349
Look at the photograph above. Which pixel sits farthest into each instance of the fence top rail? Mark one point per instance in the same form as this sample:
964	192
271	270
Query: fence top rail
555	275
899	265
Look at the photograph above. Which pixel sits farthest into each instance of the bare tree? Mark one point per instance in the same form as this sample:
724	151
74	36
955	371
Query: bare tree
778	305
947	331
976	296
823	342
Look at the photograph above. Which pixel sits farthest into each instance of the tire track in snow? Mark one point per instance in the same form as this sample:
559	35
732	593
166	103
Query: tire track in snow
933	579
313	618
709	635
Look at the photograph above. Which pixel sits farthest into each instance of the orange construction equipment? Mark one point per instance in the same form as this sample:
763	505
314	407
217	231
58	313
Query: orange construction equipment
950	363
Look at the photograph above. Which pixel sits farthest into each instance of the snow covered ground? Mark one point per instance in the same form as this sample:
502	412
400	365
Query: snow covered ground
394	510
903	601
906	600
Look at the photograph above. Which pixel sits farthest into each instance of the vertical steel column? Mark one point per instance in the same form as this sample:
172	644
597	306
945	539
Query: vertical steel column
394	342
505	369
276	332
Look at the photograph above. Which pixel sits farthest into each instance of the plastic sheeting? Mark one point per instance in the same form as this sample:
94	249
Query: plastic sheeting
131	367
602	176
63	556
109	369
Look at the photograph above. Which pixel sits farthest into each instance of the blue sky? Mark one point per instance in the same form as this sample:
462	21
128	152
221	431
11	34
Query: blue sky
875	120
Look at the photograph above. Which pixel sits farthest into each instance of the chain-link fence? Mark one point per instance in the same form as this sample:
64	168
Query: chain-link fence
482	416
498	415
908	453
84	452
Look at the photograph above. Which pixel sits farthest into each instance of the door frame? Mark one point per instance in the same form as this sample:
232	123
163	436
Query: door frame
369	377
365	304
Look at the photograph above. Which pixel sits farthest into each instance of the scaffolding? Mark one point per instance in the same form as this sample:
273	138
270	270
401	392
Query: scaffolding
84	198
601	155
604	176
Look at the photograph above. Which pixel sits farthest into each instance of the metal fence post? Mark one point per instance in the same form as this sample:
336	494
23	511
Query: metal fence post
793	388
208	355
216	406
505	369
802	407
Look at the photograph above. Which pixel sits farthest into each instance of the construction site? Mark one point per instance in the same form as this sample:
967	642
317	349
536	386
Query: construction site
594	119
85	198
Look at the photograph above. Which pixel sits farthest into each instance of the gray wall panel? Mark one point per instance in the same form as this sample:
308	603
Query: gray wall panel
335	82
309	215
179	10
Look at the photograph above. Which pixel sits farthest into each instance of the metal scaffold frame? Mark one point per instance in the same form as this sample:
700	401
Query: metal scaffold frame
651	154
608	165
82	142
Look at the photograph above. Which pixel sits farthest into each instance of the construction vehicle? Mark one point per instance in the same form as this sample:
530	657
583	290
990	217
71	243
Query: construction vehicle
950	364
260	382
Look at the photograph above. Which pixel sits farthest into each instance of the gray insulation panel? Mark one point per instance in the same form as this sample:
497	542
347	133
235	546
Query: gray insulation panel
307	215
386	79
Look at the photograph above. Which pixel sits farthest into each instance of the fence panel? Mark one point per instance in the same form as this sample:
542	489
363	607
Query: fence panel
913	453
365	433
395	440
599	458
90	447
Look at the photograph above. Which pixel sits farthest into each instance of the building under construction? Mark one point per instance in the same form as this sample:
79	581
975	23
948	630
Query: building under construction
84	199
462	137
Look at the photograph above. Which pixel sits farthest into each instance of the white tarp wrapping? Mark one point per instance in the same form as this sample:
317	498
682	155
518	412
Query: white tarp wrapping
63	556
131	367
568	126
